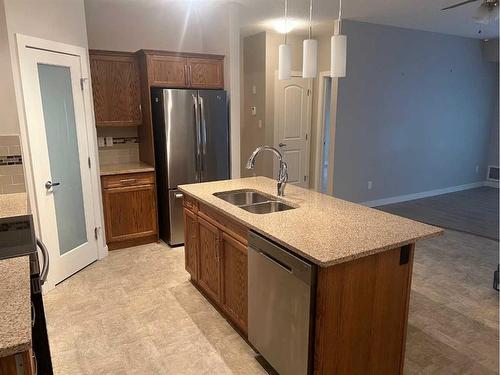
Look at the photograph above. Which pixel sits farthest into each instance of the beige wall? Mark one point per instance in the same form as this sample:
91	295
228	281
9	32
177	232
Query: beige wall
9	123
57	20
254	63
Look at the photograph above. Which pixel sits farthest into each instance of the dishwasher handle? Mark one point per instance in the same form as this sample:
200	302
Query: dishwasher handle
276	261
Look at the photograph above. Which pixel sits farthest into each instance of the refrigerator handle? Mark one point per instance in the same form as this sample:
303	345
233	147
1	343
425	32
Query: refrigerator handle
203	130
198	138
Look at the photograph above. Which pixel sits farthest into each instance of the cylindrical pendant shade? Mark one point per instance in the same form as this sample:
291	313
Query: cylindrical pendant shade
310	58
339	55
284	62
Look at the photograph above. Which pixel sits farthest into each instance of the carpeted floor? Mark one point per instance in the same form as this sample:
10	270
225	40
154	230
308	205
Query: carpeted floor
472	211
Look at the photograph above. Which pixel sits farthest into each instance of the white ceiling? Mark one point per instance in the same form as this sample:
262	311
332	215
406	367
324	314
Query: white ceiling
413	14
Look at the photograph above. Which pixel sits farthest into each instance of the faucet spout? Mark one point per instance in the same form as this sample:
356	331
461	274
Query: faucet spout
283	167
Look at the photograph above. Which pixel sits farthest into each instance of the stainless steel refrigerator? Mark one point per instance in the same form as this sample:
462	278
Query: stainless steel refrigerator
191	133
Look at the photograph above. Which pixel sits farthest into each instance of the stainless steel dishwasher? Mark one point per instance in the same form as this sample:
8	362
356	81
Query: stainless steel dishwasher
281	289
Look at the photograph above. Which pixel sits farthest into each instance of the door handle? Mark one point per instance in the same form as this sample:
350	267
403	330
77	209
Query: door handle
282	144
178	195
49	184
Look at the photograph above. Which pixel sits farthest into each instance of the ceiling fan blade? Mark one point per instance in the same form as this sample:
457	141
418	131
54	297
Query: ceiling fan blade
460	4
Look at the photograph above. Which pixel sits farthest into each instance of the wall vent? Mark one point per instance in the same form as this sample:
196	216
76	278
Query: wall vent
492	173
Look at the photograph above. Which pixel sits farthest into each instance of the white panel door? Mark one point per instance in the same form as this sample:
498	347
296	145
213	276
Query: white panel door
59	149
292	115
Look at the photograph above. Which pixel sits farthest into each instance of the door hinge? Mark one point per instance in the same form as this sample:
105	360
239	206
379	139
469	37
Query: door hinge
305	178
308	92
89	162
96	232
82	82
306	136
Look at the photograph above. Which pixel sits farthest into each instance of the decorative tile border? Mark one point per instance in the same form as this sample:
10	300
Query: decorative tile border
11	165
11	160
125	140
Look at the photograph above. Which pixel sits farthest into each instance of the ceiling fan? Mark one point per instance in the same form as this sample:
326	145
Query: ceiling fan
486	12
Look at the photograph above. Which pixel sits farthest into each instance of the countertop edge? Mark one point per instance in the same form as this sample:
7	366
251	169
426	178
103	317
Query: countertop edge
316	261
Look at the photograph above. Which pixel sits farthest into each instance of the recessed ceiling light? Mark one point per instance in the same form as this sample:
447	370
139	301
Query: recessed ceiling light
283	27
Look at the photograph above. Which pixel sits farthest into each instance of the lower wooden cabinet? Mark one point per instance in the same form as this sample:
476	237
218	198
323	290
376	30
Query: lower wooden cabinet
191	243
18	364
234	282
130	213
216	259
209	259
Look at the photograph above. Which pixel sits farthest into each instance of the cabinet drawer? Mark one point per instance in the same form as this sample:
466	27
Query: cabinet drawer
190	203
130	179
230	226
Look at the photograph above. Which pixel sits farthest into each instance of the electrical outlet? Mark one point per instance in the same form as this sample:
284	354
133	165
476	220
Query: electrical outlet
109	141
254	89
370	184
260	124
254	111
477	169
101	142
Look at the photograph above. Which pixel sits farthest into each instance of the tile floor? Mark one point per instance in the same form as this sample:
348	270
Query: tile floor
135	312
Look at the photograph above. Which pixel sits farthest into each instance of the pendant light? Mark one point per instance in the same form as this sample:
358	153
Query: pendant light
338	50
310	51
285	53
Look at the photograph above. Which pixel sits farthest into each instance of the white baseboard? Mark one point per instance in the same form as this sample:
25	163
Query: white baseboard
424	194
493	184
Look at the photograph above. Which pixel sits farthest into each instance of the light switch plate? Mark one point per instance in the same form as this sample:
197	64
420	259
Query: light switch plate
109	141
101	142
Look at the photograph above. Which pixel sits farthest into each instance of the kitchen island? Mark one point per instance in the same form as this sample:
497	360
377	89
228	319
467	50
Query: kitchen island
361	261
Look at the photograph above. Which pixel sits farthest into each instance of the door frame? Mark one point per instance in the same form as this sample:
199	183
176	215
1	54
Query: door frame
276	141
23	43
320	131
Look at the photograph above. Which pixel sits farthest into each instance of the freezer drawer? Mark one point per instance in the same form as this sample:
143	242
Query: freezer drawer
176	218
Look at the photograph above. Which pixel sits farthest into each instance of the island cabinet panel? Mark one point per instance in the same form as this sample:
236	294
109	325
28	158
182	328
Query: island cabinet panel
115	88
191	243
206	73
209	259
361	314
234	294
216	259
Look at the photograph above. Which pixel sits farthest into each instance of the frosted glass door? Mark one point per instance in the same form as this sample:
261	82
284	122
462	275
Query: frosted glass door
62	144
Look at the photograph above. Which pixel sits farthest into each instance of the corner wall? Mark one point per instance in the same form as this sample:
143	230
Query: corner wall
414	112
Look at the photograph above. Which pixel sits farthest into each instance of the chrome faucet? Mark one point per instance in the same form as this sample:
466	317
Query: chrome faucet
283	171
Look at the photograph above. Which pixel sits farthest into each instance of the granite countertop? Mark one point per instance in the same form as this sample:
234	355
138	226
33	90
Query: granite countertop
15	306
13	205
113	169
322	229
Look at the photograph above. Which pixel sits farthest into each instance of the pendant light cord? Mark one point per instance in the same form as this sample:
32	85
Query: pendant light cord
286	20
310	18
340	17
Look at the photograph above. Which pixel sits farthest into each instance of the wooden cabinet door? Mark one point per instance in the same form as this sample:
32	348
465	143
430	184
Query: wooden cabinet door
167	71
191	243
209	263
234	294
129	212
116	90
206	73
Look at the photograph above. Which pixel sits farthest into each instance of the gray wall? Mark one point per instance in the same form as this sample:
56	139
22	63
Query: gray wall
414	113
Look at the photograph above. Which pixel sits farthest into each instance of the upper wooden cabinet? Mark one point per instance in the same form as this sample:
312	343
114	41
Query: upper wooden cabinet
168	71
181	70
116	88
205	73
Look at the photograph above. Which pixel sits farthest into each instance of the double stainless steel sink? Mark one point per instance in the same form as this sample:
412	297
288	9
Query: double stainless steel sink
254	201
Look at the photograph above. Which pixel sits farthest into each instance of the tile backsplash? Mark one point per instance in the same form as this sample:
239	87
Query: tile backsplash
119	154
11	165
